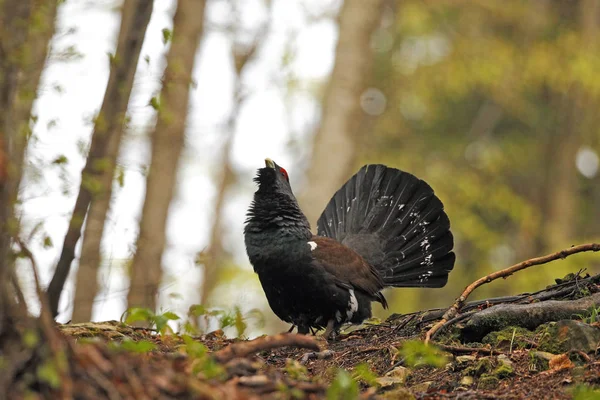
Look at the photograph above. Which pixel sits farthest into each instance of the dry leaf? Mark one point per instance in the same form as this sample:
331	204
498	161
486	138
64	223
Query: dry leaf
559	362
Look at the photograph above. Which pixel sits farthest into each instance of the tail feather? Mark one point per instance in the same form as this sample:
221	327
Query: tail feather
395	221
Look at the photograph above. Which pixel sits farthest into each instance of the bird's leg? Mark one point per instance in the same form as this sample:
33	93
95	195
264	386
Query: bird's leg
303	329
330	330
312	330
291	328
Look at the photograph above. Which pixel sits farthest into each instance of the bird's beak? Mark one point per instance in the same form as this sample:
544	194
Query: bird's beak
269	163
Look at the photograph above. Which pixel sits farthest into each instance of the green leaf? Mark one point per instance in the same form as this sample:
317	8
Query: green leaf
48	373
47	243
60	160
240	323
363	372
343	387
142	346
155	103
416	353
197	310
137	314
30	338
193	348
585	392
121	176
171	316
162	321
167	35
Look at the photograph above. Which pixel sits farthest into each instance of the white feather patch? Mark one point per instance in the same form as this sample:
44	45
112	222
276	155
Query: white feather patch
352	304
313	245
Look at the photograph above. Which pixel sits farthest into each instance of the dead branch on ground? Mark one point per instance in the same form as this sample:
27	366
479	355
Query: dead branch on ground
528	316
460	301
243	349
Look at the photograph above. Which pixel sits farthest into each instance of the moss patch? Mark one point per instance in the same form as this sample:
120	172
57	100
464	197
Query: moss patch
504	371
487	382
520	338
483	366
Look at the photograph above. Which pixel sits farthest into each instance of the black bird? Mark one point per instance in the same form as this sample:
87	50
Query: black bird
384	227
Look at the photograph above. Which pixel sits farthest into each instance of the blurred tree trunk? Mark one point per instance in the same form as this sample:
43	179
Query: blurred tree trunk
335	143
26	27
97	176
566	137
167	144
216	254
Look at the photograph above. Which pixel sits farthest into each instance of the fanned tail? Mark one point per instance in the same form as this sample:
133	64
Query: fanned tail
394	221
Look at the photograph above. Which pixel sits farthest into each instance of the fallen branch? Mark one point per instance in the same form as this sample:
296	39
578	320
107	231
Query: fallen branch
460	301
453	321
553	292
528	316
243	349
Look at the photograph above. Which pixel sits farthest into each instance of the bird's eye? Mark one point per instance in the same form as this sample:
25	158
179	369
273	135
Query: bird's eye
285	174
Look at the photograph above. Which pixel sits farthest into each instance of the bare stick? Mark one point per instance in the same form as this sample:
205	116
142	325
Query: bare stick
243	349
463	349
460	301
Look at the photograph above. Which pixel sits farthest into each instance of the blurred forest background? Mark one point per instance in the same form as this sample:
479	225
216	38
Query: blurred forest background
130	132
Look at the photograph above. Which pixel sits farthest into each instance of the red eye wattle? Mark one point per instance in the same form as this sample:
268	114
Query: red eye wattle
284	172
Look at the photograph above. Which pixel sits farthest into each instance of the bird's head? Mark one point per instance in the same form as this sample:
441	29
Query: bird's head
273	179
275	206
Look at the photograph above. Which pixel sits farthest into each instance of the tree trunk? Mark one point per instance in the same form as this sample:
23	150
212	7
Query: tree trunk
335	143
26	29
576	119
97	176
216	255
167	144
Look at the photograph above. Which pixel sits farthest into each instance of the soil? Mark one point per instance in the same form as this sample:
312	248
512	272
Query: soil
270	373
385	360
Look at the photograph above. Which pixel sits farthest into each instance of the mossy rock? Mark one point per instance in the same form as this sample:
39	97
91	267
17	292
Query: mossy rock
502	339
504	371
487	382
397	394
539	360
484	365
565	335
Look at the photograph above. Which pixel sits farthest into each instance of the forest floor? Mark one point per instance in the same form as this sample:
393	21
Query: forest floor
386	360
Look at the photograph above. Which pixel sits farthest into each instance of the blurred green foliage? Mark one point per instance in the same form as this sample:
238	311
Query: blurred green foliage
343	387
491	103
417	353
199	319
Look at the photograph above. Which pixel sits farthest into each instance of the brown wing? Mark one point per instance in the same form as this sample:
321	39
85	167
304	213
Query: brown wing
348	266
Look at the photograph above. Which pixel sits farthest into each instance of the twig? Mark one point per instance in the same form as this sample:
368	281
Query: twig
19	293
453	321
463	349
402	324
265	343
512	340
581	353
460	301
